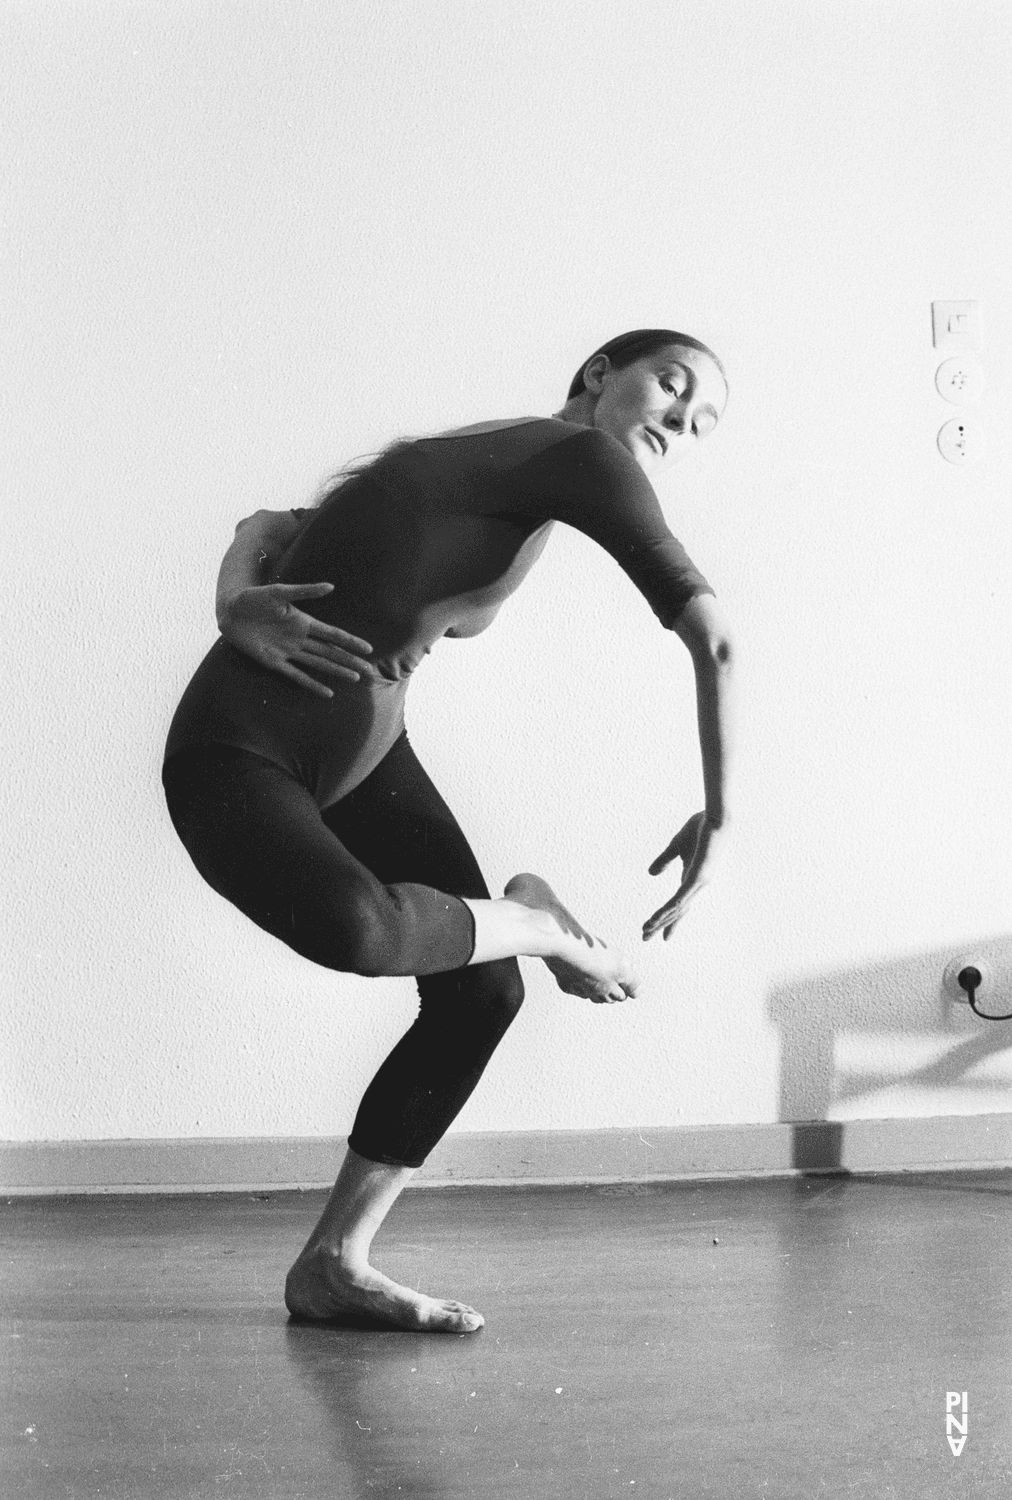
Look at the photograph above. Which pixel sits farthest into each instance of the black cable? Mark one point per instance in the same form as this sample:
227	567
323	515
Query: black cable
970	979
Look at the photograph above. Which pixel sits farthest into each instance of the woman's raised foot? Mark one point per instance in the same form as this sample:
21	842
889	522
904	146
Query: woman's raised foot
582	964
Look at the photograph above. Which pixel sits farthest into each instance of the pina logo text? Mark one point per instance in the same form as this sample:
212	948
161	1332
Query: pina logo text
955	1420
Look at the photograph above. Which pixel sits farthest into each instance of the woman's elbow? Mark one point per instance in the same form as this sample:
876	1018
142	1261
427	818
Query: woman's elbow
704	632
713	657
720	650
269	525
707	639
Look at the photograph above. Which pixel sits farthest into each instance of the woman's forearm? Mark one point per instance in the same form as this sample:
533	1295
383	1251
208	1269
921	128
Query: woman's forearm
702	629
258	543
715	716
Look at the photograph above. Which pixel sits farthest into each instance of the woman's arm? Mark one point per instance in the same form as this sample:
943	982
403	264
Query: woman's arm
699	842
259	541
262	620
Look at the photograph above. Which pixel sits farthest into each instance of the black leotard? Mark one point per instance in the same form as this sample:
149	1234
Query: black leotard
315	818
428	542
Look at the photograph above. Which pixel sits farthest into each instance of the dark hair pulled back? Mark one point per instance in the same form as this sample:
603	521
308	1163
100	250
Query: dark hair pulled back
627	348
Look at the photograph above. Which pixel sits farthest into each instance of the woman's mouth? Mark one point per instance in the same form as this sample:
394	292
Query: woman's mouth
657	439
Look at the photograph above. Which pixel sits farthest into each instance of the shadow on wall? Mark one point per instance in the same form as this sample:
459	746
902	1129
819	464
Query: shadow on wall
886	1040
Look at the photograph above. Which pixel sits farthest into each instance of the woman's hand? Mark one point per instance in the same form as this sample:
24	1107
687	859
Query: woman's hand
264	623
697	845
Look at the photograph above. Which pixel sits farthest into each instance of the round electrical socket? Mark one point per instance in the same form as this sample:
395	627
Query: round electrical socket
950	980
961	440
960	379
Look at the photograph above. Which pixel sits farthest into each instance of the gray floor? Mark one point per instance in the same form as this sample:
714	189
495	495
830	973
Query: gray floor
807	1352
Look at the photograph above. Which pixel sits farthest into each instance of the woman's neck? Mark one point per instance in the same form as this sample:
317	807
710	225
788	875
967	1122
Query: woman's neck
579	410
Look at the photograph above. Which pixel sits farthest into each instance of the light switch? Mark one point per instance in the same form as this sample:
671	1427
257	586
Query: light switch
955	326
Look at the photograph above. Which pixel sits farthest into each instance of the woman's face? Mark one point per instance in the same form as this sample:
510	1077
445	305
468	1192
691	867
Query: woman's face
661	406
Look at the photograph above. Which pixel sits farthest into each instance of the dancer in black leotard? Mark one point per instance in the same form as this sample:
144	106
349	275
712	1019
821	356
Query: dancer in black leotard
291	782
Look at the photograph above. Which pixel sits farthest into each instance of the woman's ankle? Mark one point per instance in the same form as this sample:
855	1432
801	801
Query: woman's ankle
346	1255
509	929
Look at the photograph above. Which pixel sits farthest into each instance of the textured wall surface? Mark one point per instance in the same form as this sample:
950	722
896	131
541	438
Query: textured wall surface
244	243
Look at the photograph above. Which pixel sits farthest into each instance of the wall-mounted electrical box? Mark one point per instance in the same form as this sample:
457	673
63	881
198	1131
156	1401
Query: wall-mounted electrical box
959	379
955	326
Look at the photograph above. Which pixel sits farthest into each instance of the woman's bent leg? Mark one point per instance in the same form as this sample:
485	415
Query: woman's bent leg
257	837
398	824
383	883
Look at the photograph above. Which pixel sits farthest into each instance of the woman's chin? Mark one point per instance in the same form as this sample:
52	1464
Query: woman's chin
646	453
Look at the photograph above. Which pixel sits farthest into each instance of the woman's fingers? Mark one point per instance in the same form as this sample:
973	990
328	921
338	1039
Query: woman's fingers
302	678
346	666
300	590
267	624
682	846
324	653
663	860
317	630
696	845
666	920
334	669
333	635
667	917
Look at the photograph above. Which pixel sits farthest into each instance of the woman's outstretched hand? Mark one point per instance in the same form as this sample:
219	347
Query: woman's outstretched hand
697	845
265	623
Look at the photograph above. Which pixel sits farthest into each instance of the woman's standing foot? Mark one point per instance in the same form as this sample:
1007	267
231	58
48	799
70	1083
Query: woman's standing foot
322	1288
332	1280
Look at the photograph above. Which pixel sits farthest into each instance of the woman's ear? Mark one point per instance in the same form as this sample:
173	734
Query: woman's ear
594	372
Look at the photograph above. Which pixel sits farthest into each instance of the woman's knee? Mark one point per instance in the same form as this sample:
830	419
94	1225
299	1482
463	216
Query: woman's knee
503	989
371	929
357	933
376	929
489	995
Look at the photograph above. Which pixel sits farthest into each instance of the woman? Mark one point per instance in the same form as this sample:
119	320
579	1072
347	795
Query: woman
291	782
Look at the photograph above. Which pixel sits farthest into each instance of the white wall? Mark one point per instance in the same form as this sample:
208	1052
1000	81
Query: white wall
245	242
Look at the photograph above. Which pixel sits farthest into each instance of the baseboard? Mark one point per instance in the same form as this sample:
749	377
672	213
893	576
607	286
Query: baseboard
528	1157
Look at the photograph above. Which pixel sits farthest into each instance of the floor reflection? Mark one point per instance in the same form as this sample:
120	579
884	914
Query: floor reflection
381	1407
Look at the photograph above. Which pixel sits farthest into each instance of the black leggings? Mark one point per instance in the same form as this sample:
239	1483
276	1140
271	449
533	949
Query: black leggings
370	885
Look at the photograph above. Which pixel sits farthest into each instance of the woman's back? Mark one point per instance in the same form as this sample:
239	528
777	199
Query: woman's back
428	542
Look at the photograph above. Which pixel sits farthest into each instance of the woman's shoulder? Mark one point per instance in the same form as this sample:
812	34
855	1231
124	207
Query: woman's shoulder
496	424
514	441
538	432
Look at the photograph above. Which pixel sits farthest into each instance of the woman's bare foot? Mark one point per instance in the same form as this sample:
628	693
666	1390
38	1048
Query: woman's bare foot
321	1288
585	965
